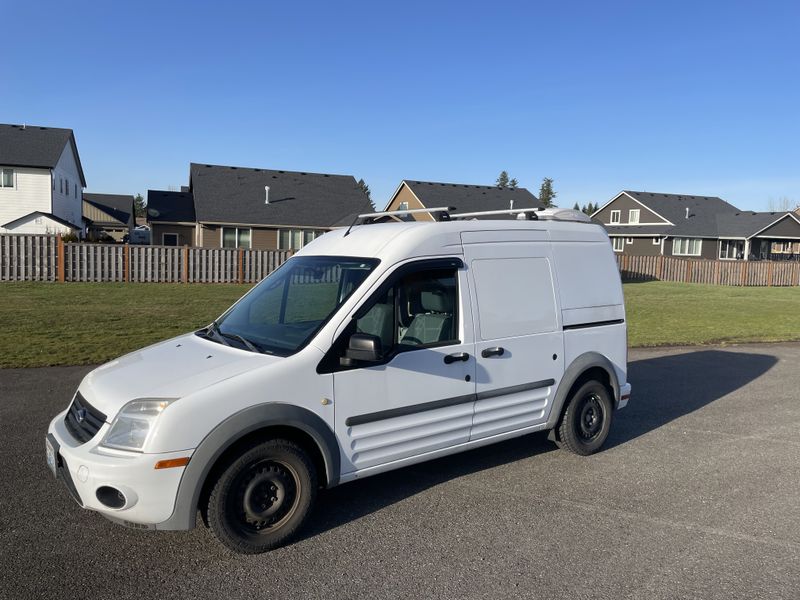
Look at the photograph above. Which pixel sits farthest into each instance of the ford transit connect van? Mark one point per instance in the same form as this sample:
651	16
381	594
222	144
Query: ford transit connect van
371	349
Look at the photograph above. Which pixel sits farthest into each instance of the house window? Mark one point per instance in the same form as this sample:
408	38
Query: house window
633	216
629	240
403	206
615	216
169	239
7	179
294	239
731	249
618	244
236	237
656	241
687	246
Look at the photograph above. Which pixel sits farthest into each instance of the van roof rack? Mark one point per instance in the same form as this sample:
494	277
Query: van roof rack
441	213
530	213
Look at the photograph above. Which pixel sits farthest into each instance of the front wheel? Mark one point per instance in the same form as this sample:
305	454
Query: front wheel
586	421
263	497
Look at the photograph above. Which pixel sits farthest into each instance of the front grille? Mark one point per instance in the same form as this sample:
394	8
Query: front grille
83	420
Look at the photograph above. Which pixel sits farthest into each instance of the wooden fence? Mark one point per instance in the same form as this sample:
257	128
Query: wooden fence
47	258
714	272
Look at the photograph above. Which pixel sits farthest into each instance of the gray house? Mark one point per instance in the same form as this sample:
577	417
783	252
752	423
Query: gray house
649	223
238	207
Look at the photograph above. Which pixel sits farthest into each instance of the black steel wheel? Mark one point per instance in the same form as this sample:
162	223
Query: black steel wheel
263	497
586	420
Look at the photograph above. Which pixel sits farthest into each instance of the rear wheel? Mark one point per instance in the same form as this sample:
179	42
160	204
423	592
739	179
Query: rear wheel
263	497
586	421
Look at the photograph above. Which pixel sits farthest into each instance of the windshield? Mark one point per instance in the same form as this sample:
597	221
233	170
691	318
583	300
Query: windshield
284	311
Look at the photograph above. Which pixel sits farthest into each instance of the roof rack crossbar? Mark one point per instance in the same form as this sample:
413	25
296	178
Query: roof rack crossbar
440	213
408	211
530	213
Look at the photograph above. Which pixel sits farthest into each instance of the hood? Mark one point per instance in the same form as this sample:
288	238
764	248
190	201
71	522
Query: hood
171	369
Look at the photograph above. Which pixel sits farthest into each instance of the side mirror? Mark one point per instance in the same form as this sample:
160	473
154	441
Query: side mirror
362	347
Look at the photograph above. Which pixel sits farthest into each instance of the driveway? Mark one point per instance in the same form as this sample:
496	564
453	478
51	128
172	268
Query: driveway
697	495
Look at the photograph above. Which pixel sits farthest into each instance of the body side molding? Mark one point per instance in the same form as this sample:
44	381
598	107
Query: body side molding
232	429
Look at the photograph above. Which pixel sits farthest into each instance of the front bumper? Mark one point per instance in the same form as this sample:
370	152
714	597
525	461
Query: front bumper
624	395
149	493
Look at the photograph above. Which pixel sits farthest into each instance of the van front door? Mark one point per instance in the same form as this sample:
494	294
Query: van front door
419	395
519	343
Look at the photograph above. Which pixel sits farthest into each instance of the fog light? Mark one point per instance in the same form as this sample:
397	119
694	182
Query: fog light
83	473
110	497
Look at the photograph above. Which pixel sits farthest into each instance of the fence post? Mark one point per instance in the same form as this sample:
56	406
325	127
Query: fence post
126	263
60	256
241	265
185	264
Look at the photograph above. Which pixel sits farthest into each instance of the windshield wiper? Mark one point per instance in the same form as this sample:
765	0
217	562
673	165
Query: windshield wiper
250	345
216	334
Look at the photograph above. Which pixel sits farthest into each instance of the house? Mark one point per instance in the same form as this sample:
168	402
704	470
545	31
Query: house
649	224
109	217
412	194
238	207
41	180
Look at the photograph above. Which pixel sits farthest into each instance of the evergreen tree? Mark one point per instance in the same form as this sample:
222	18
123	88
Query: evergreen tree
139	205
546	193
513	184
576	207
502	180
362	185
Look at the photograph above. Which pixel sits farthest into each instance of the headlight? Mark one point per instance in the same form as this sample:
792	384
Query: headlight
133	424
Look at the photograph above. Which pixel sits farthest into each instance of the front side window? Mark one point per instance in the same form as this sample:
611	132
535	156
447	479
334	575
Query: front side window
7	178
633	216
618	243
687	247
615	216
286	309
417	311
236	237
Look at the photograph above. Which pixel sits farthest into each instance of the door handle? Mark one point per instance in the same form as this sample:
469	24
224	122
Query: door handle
451	358
496	351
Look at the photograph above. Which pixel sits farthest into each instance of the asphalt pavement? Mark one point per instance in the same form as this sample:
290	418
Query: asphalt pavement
696	495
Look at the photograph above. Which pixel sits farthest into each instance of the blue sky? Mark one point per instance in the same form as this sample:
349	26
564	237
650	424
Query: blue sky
685	97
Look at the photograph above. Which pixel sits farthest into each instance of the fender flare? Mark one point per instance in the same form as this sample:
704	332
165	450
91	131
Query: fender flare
231	430
578	367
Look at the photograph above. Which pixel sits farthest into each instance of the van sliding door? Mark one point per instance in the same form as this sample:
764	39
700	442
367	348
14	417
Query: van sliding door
518	339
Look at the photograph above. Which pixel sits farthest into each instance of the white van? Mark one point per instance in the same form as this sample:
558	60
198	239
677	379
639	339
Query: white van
371	349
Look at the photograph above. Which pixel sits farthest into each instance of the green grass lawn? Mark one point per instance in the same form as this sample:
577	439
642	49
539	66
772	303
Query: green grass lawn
83	323
667	314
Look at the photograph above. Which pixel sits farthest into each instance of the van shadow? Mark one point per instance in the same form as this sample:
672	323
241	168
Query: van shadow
664	389
668	387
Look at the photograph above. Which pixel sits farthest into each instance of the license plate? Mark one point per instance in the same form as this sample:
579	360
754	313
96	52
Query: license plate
51	455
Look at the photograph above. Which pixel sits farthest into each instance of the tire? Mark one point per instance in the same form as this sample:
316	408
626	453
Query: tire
586	420
263	497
